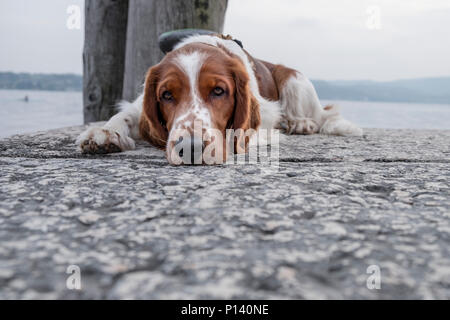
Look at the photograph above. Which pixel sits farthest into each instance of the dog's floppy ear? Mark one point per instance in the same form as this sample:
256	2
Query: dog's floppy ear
152	126
246	112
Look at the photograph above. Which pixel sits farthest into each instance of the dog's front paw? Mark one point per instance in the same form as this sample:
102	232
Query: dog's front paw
100	141
302	126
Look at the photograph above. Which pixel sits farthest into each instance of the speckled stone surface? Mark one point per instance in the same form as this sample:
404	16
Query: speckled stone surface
140	228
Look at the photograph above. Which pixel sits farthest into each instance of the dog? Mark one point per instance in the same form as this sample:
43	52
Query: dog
206	86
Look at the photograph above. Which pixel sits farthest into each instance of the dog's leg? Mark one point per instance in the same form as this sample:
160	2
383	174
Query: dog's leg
299	104
301	109
117	134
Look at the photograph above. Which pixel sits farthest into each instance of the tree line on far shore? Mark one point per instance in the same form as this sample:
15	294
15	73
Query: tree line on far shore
50	82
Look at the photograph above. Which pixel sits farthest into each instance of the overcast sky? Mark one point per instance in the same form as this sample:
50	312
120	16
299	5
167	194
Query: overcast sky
325	39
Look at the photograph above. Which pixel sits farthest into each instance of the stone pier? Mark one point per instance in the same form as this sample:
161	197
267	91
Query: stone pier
337	211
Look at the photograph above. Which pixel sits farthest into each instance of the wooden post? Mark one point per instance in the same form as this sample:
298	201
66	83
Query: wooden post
103	57
147	19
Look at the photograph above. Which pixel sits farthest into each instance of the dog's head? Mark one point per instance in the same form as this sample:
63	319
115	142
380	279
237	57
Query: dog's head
191	98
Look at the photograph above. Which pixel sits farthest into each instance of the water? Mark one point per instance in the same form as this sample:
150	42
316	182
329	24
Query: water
44	110
395	115
50	110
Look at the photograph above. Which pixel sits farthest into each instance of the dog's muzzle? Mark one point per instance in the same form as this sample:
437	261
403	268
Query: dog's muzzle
190	149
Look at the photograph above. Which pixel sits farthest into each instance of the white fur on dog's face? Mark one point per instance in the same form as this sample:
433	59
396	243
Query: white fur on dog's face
186	132
190	64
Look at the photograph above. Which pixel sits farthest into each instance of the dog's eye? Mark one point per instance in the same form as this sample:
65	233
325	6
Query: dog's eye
218	91
167	95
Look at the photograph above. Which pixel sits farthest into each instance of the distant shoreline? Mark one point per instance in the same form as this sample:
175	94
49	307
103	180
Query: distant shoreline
47	82
47	90
420	90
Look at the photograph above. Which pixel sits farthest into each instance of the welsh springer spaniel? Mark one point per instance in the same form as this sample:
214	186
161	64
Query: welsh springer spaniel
207	85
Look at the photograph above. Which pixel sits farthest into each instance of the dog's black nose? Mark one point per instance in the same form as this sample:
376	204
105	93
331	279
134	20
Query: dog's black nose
190	150
179	147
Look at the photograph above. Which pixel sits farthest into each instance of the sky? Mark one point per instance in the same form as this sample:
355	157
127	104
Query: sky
325	39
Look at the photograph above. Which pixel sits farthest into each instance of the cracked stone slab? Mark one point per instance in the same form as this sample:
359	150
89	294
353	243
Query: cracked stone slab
140	228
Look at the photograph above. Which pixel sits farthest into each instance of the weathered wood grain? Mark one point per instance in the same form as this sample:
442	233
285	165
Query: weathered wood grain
103	57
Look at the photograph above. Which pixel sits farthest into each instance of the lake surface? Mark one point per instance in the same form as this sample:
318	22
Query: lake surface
44	110
51	110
